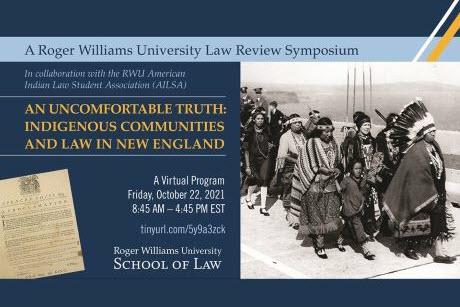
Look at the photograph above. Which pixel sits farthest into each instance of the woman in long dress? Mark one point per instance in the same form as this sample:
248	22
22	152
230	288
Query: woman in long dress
315	184
257	145
291	143
419	184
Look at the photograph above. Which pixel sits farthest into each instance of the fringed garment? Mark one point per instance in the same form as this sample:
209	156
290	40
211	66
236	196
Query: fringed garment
291	144
314	193
419	185
286	179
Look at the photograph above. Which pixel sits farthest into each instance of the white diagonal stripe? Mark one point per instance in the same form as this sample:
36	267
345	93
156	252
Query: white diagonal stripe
435	31
271	262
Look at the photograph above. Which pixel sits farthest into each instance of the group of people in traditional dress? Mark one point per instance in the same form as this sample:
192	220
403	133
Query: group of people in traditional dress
394	184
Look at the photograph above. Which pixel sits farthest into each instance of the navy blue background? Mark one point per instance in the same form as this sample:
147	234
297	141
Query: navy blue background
100	184
211	18
223	18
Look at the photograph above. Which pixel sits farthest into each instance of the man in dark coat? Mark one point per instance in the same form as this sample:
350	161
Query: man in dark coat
244	96
275	119
260	100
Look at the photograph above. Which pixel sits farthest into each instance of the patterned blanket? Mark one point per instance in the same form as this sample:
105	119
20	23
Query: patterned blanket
310	159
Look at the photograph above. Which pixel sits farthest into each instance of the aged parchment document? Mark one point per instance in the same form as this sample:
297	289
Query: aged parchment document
38	229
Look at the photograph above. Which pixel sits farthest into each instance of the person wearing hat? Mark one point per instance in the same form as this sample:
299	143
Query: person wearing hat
244	97
419	184
260	100
290	144
258	145
362	147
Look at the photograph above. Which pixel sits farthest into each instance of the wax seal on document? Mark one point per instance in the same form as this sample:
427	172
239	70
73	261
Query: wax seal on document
29	185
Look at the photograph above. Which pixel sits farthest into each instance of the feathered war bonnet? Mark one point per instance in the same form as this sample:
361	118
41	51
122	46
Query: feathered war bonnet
411	125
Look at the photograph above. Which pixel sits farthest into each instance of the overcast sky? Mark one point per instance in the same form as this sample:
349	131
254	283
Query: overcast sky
336	73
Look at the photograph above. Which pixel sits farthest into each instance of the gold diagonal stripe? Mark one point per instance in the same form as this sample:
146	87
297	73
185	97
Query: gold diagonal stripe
445	40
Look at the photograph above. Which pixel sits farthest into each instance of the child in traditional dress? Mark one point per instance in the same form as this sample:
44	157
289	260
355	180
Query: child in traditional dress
352	188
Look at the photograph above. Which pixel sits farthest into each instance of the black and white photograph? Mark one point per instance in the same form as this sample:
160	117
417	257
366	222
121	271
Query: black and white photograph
350	170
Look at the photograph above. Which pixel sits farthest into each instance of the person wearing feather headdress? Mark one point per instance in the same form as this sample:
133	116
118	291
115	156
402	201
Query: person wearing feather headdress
315	187
419	184
362	147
